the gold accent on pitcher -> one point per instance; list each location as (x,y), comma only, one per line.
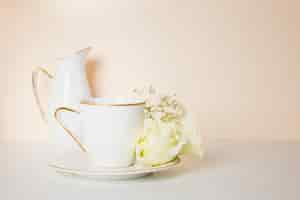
(67,130)
(35,87)
(45,71)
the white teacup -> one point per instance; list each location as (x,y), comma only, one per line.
(110,127)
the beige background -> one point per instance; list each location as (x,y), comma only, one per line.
(236,63)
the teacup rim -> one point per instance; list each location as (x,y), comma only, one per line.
(129,101)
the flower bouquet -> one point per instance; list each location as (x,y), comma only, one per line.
(168,130)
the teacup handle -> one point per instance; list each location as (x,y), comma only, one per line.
(35,86)
(57,111)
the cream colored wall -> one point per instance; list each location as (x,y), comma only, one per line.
(236,63)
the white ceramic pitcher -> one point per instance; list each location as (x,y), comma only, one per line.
(68,86)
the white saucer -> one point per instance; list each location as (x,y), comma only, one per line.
(78,164)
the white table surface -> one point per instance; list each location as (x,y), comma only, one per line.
(230,171)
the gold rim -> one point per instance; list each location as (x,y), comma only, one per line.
(129,170)
(108,104)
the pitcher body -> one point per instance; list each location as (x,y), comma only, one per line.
(68,86)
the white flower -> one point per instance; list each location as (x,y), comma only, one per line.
(159,143)
(168,130)
(157,115)
(154,100)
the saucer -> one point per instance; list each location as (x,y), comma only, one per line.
(78,164)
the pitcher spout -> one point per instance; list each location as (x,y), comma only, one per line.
(84,52)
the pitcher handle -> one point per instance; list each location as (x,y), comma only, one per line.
(35,86)
(67,130)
